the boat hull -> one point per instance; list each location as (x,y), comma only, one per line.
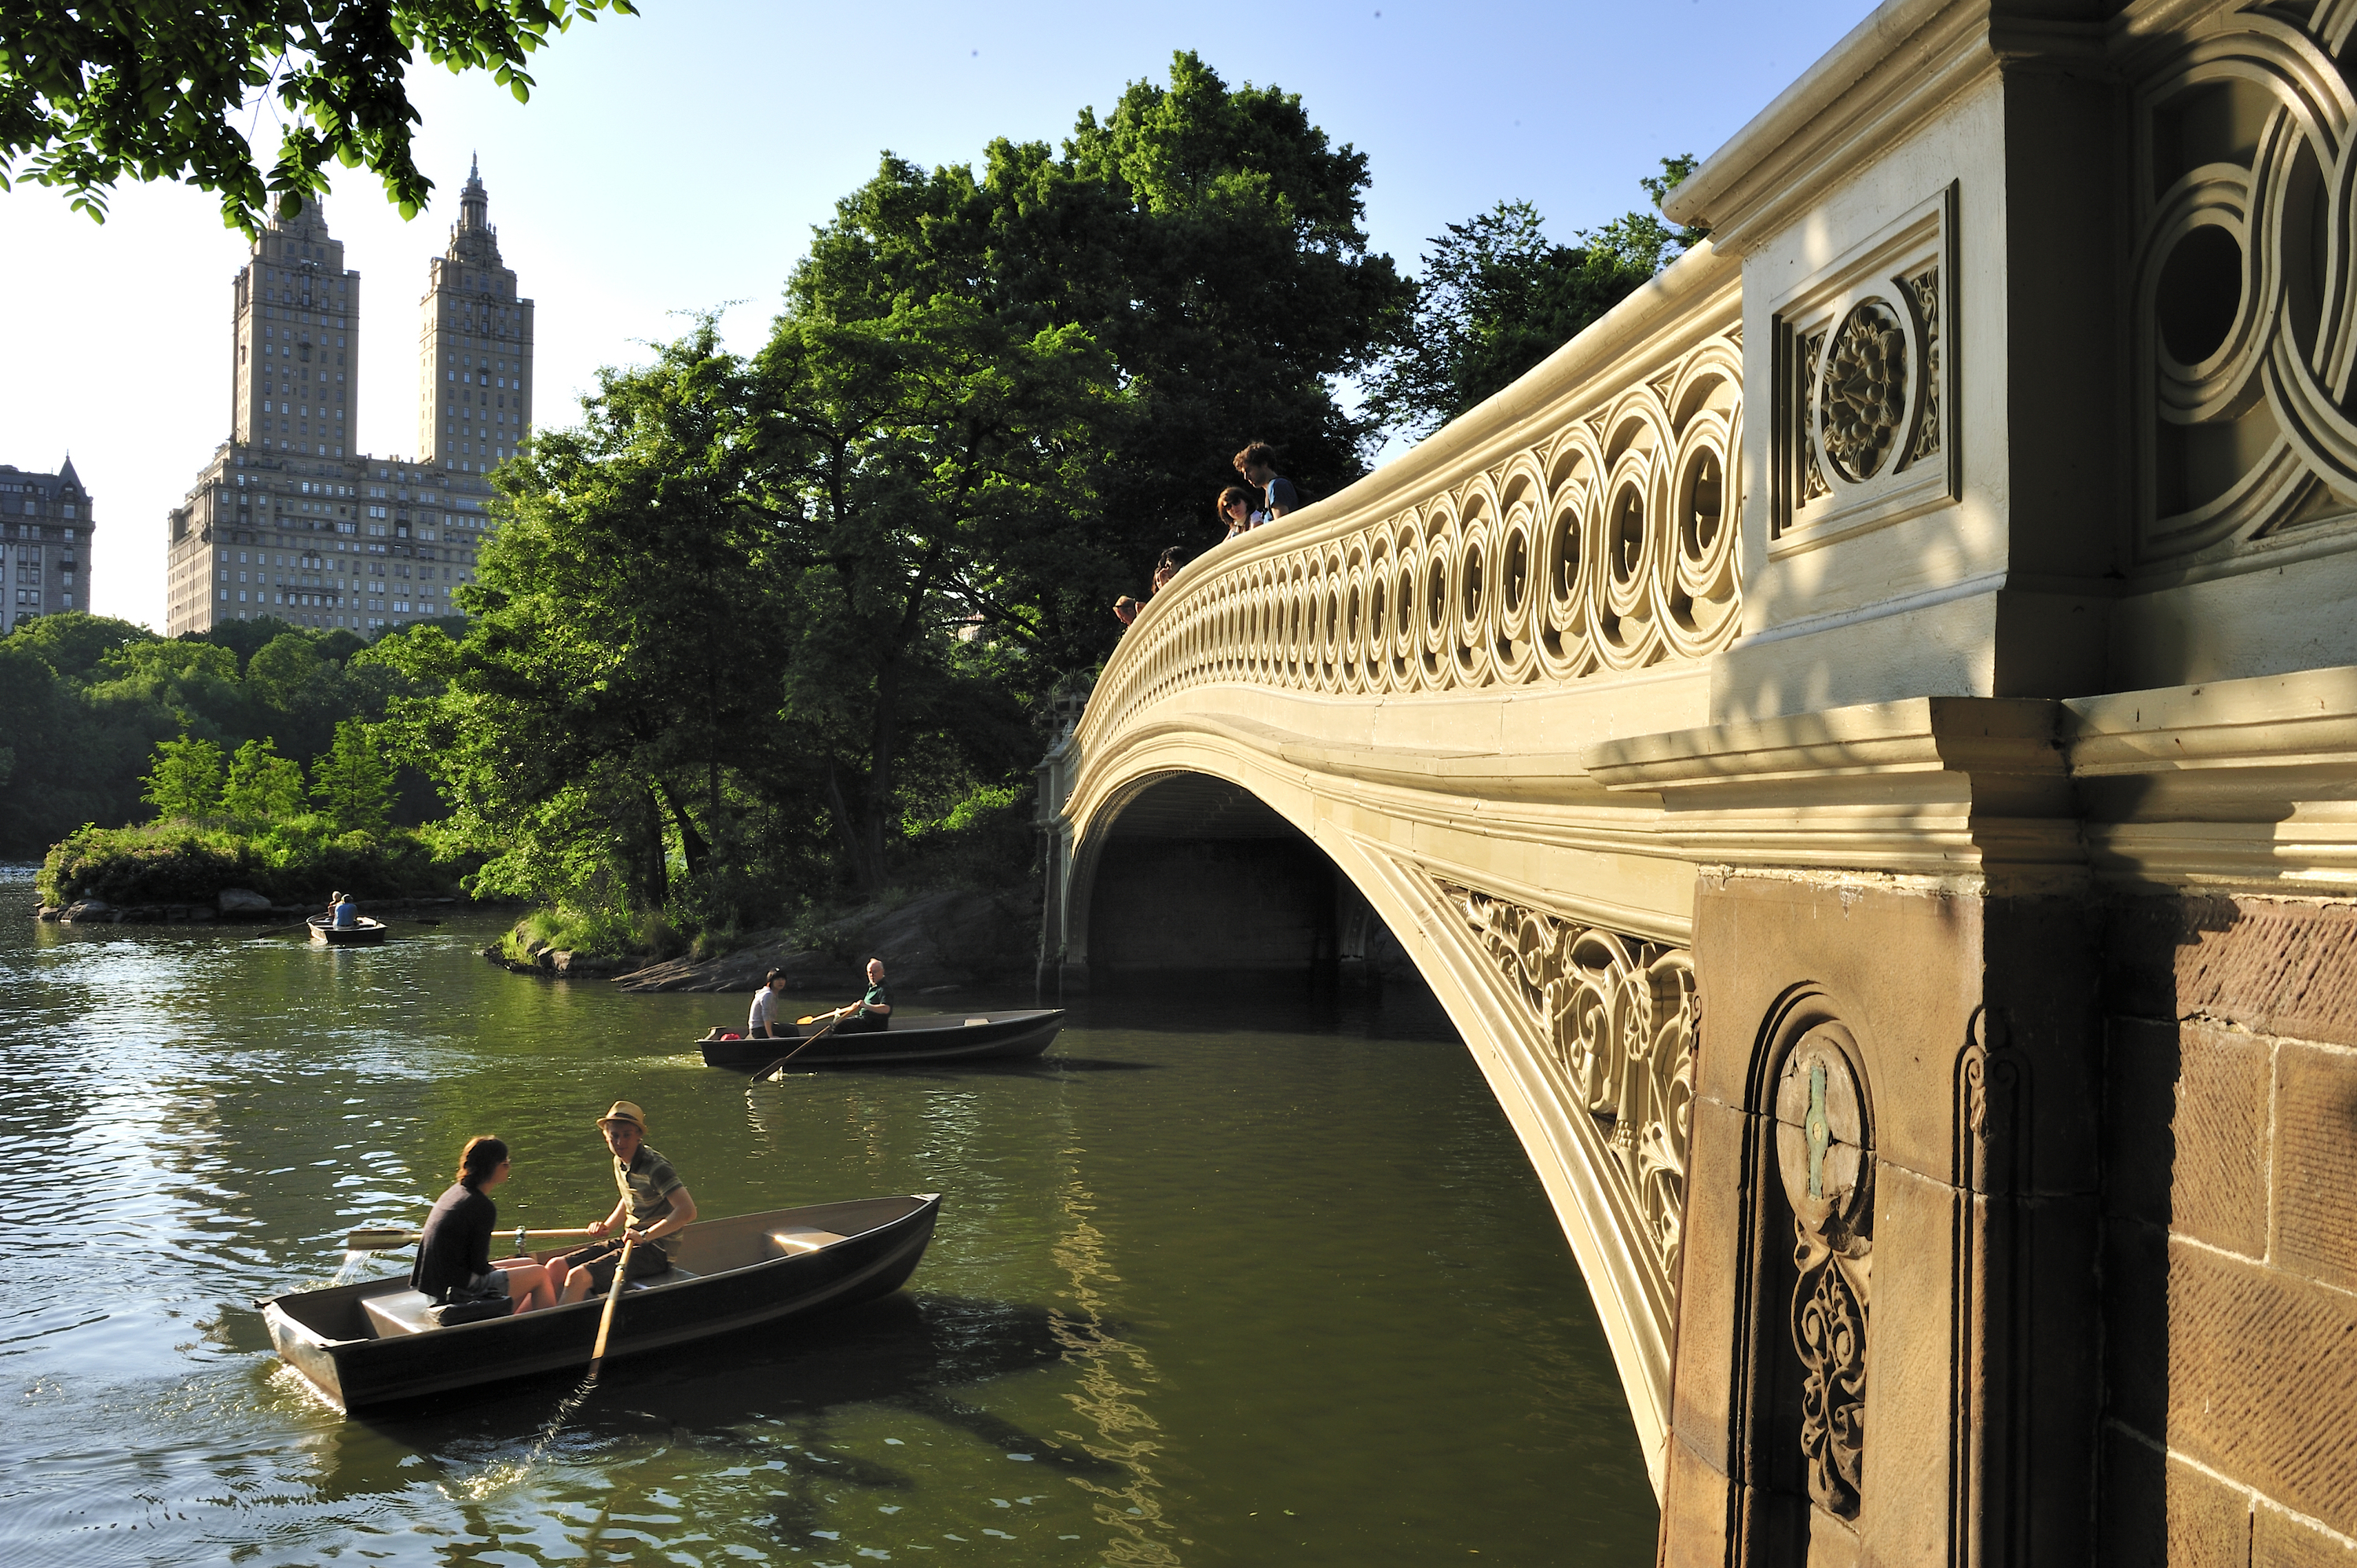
(326,1335)
(366,934)
(951,1037)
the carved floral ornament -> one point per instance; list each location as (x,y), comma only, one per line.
(1619,1018)
(1862,401)
(1608,544)
(2246,290)
(1825,1156)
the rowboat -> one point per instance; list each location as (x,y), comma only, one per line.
(374,1343)
(364,932)
(942,1037)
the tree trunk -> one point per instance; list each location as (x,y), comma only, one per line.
(866,867)
(658,858)
(691,843)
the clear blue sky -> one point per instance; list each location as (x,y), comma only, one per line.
(677,161)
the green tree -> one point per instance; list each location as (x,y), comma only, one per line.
(1209,239)
(630,642)
(263,787)
(74,644)
(146,89)
(932,457)
(352,782)
(186,781)
(1496,296)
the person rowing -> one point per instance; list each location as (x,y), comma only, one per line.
(871,1012)
(655,1207)
(453,1263)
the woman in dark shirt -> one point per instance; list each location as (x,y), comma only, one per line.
(454,1256)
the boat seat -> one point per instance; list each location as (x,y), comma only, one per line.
(794,1241)
(670,1276)
(402,1312)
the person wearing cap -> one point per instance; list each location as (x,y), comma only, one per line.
(654,1209)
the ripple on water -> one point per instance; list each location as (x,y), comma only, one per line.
(1113,1293)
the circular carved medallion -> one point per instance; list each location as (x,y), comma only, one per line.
(1863,396)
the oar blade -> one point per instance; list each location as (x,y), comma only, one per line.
(379,1240)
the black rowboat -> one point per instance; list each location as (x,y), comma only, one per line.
(943,1038)
(362,932)
(372,1343)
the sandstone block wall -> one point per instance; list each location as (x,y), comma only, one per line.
(2229,1263)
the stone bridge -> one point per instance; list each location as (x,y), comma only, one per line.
(1863,743)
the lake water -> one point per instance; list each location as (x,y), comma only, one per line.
(1231,1276)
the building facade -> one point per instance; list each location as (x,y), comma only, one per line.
(45,542)
(474,348)
(289,518)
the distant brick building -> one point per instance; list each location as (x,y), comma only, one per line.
(289,518)
(45,542)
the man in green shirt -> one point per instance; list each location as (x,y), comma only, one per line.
(871,1012)
(654,1209)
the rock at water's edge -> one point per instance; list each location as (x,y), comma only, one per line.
(954,939)
(241,901)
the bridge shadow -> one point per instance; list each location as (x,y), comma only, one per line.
(2166,1112)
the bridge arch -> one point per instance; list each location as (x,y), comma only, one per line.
(1584,1033)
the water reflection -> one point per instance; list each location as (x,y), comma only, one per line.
(1229,1278)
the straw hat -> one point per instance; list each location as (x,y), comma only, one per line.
(625,1111)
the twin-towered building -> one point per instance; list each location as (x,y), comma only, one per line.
(290,519)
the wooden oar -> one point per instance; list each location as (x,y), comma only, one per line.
(386,1240)
(613,1299)
(816,1036)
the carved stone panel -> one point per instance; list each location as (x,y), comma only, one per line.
(1825,1156)
(2244,313)
(1863,392)
(1621,1021)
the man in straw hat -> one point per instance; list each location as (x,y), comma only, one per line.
(654,1209)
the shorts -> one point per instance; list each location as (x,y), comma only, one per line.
(598,1258)
(490,1285)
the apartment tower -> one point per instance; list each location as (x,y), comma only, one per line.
(474,348)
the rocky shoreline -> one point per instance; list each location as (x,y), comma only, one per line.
(941,942)
(233,906)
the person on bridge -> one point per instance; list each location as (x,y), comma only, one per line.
(654,1209)
(765,1023)
(1125,609)
(1257,464)
(1236,511)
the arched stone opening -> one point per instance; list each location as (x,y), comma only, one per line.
(1196,874)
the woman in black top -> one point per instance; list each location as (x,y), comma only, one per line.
(454,1256)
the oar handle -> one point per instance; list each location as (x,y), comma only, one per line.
(613,1299)
(386,1240)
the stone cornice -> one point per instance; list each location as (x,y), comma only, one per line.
(1964,789)
(1892,72)
(2234,784)
(2248,784)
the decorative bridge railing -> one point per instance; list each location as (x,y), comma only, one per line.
(1581,524)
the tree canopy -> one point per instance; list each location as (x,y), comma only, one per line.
(94,94)
(1496,296)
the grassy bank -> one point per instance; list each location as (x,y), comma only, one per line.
(183,862)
